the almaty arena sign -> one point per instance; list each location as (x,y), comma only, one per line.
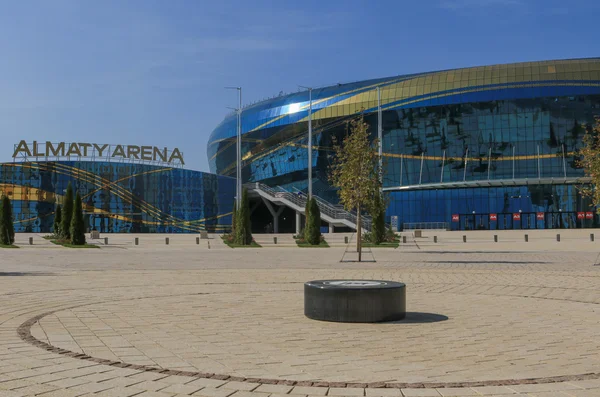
(94,150)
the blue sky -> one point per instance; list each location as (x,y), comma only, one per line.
(152,72)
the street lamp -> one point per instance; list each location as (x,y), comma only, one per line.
(309,140)
(238,150)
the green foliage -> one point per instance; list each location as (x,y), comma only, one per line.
(77,231)
(390,235)
(590,162)
(356,173)
(377,211)
(67,214)
(305,232)
(233,218)
(7,229)
(313,226)
(243,232)
(57,220)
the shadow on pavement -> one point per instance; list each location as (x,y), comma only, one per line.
(16,274)
(493,262)
(420,318)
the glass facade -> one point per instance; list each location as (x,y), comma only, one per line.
(119,197)
(452,141)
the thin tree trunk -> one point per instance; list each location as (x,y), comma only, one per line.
(358,233)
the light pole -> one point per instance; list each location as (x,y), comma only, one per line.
(238,150)
(380,136)
(309,140)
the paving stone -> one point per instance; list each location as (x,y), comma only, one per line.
(186,318)
(309,390)
(420,393)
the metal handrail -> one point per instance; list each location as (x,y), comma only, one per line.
(325,207)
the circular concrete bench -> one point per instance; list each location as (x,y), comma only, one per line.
(355,301)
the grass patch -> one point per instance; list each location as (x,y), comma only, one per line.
(231,244)
(8,246)
(302,243)
(66,243)
(385,244)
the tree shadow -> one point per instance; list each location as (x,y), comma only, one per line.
(420,318)
(17,274)
(493,262)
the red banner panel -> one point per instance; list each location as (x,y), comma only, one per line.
(539,216)
(589,215)
(517,216)
(455,218)
(493,217)
(581,215)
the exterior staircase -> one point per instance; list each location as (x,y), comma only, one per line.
(330,213)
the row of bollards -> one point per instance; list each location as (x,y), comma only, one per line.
(136,241)
(464,238)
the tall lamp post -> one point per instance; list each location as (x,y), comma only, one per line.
(238,150)
(309,140)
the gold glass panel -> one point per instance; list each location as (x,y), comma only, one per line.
(551,69)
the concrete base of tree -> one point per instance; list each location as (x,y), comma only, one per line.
(355,301)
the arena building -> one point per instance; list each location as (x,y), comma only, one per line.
(490,147)
(124,188)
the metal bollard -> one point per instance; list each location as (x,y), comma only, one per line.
(404,239)
(558,237)
(136,241)
(274,240)
(208,244)
(105,240)
(197,240)
(526,238)
(495,238)
(435,239)
(166,240)
(464,239)
(591,236)
(345,239)
(30,240)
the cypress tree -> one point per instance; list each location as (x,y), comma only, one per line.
(7,229)
(67,214)
(378,219)
(57,220)
(243,234)
(314,225)
(233,218)
(247,225)
(306,220)
(77,226)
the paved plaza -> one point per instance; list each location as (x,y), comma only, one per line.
(484,318)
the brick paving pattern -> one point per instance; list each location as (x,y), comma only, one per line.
(484,319)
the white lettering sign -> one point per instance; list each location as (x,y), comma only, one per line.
(81,149)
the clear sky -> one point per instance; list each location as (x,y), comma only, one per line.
(151,72)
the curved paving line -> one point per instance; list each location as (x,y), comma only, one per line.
(24,332)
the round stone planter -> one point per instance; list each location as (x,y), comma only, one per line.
(355,301)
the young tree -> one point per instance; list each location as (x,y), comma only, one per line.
(313,227)
(355,172)
(590,162)
(243,233)
(57,220)
(7,229)
(77,231)
(67,214)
